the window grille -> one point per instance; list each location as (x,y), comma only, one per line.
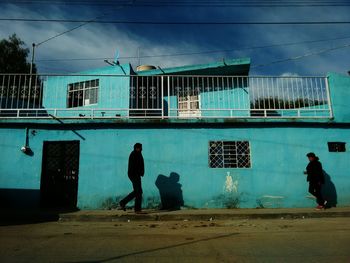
(229,154)
(336,147)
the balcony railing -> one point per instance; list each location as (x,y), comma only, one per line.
(163,97)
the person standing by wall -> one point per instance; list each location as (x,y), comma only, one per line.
(136,170)
(315,178)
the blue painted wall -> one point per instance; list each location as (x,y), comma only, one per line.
(274,180)
(113,91)
(339,86)
(230,98)
(277,152)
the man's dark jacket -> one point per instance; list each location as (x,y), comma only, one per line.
(315,172)
(136,167)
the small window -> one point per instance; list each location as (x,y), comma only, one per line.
(229,154)
(82,93)
(336,146)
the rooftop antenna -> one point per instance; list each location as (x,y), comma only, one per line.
(115,62)
(109,63)
(138,56)
(116,58)
(161,69)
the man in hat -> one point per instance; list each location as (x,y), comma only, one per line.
(315,178)
(135,171)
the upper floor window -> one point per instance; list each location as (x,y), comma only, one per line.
(82,93)
(229,154)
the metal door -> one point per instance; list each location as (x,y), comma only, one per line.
(60,170)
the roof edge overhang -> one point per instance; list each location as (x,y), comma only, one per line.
(228,67)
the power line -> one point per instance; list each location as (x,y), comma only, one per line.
(65,32)
(302,56)
(294,58)
(199,52)
(76,27)
(35,45)
(177,23)
(190,3)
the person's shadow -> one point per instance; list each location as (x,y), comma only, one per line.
(329,191)
(170,191)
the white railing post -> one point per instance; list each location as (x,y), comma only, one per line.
(162,95)
(168,97)
(329,101)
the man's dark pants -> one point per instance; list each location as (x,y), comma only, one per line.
(315,190)
(137,194)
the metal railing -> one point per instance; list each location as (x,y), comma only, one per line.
(180,97)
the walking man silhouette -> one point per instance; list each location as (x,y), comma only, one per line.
(136,170)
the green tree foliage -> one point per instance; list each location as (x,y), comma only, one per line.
(13,56)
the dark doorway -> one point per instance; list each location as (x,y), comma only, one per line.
(59,175)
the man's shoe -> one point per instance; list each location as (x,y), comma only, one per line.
(319,207)
(122,207)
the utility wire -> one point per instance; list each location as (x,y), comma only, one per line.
(177,23)
(65,32)
(72,29)
(190,3)
(302,56)
(199,52)
(34,45)
(299,57)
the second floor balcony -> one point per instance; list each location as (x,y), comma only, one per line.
(163,97)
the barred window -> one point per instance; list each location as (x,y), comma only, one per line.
(229,154)
(82,93)
(336,146)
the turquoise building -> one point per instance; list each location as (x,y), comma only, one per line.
(231,140)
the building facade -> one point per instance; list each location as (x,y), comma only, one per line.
(212,136)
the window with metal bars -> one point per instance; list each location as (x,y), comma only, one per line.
(336,146)
(82,93)
(229,154)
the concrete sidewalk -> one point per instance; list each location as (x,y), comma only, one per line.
(204,214)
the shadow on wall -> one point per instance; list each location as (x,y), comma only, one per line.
(329,191)
(170,191)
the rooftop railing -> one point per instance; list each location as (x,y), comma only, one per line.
(163,97)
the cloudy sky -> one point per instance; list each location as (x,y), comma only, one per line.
(96,40)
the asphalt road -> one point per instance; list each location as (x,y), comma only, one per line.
(278,240)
